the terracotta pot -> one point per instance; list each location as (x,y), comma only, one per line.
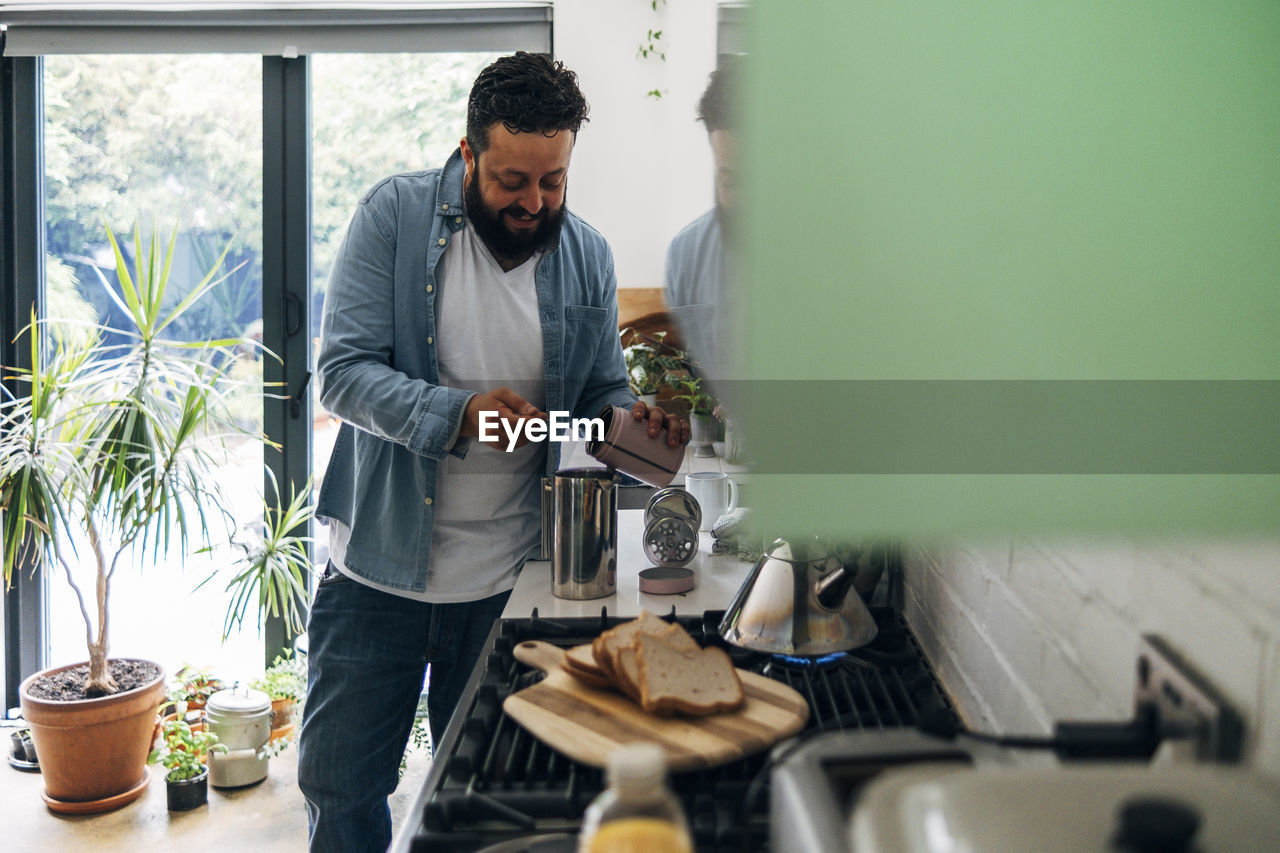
(282,718)
(92,749)
(282,712)
(197,726)
(285,731)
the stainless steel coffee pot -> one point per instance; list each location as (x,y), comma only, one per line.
(799,599)
(584,541)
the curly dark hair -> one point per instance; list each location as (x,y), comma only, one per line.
(717,106)
(527,92)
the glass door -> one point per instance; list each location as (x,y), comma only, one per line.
(161,141)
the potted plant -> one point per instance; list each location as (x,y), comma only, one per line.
(702,424)
(648,359)
(183,753)
(285,681)
(271,574)
(112,455)
(22,752)
(193,686)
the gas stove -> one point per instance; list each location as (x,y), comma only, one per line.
(491,783)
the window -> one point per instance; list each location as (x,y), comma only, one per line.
(161,141)
(214,132)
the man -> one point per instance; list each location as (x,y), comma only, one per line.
(700,260)
(459,293)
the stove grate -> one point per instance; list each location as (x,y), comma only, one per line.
(495,782)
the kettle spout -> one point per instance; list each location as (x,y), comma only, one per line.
(833,588)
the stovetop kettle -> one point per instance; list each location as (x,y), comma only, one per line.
(799,599)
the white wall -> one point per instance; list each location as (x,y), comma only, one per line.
(642,167)
(1026,632)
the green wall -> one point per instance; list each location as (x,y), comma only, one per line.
(995,190)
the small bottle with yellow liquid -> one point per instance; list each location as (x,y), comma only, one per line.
(636,813)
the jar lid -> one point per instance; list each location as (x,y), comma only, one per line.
(673,502)
(637,765)
(661,580)
(238,700)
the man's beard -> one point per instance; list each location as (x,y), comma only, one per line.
(504,243)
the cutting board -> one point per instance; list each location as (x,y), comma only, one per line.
(587,723)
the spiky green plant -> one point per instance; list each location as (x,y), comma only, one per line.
(118,443)
(271,574)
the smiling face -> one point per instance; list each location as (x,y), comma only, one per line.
(515,190)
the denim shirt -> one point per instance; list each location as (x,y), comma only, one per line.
(377,368)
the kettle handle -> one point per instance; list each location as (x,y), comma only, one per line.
(831,588)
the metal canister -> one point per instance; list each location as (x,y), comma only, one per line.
(241,718)
(584,556)
(627,447)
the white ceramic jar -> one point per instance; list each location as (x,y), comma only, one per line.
(241,718)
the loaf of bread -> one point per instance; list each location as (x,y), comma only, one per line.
(605,647)
(697,681)
(626,668)
(660,666)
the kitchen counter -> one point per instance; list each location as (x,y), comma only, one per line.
(716,579)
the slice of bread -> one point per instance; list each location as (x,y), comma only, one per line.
(579,663)
(627,677)
(626,669)
(604,648)
(698,681)
(582,659)
(589,679)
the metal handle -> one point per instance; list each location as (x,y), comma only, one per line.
(292,325)
(231,755)
(548,519)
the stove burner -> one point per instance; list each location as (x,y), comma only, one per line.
(821,660)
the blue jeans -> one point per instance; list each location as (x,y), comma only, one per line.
(368,652)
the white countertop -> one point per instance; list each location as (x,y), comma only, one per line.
(716,579)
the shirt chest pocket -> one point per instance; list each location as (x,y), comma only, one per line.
(583,330)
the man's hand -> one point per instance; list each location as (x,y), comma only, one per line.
(677,429)
(509,405)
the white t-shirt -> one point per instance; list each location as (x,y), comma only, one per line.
(487,507)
